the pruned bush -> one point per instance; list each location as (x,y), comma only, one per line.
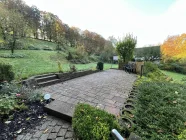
(6,72)
(100,66)
(90,123)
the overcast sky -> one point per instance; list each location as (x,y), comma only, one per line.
(150,20)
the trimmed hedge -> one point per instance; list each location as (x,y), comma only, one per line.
(6,72)
(100,66)
(90,123)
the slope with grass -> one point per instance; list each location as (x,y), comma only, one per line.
(36,43)
(36,62)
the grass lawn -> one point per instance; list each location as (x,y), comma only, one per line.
(176,76)
(40,44)
(39,62)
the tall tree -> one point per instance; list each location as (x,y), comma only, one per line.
(16,26)
(174,47)
(34,20)
(125,47)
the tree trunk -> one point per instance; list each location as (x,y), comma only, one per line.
(13,46)
(3,33)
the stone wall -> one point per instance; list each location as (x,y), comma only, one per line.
(32,81)
(72,75)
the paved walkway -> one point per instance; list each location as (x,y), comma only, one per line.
(107,90)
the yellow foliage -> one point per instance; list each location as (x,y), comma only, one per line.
(174,47)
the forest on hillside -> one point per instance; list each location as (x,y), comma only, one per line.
(19,21)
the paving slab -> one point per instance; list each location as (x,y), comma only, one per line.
(107,90)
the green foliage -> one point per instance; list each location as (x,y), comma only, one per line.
(125,47)
(12,55)
(160,110)
(9,88)
(182,136)
(30,95)
(6,72)
(147,52)
(90,123)
(152,71)
(93,58)
(183,79)
(150,67)
(73,68)
(7,104)
(174,66)
(60,67)
(100,66)
(43,62)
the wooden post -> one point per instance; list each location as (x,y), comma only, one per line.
(141,74)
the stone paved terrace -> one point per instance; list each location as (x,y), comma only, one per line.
(107,90)
(51,128)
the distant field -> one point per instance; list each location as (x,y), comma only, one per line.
(176,76)
(39,62)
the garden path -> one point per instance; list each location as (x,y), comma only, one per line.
(107,90)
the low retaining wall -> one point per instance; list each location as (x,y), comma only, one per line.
(70,75)
(32,81)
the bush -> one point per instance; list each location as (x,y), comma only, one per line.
(93,58)
(160,110)
(31,47)
(73,68)
(173,66)
(12,55)
(99,66)
(6,72)
(9,88)
(69,57)
(47,48)
(150,67)
(90,123)
(182,136)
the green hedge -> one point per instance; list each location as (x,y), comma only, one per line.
(6,72)
(90,123)
(100,65)
(174,67)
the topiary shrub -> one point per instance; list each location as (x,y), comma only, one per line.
(90,123)
(99,66)
(6,73)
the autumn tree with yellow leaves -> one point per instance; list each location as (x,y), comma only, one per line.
(174,47)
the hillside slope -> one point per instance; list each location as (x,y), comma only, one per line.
(37,62)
